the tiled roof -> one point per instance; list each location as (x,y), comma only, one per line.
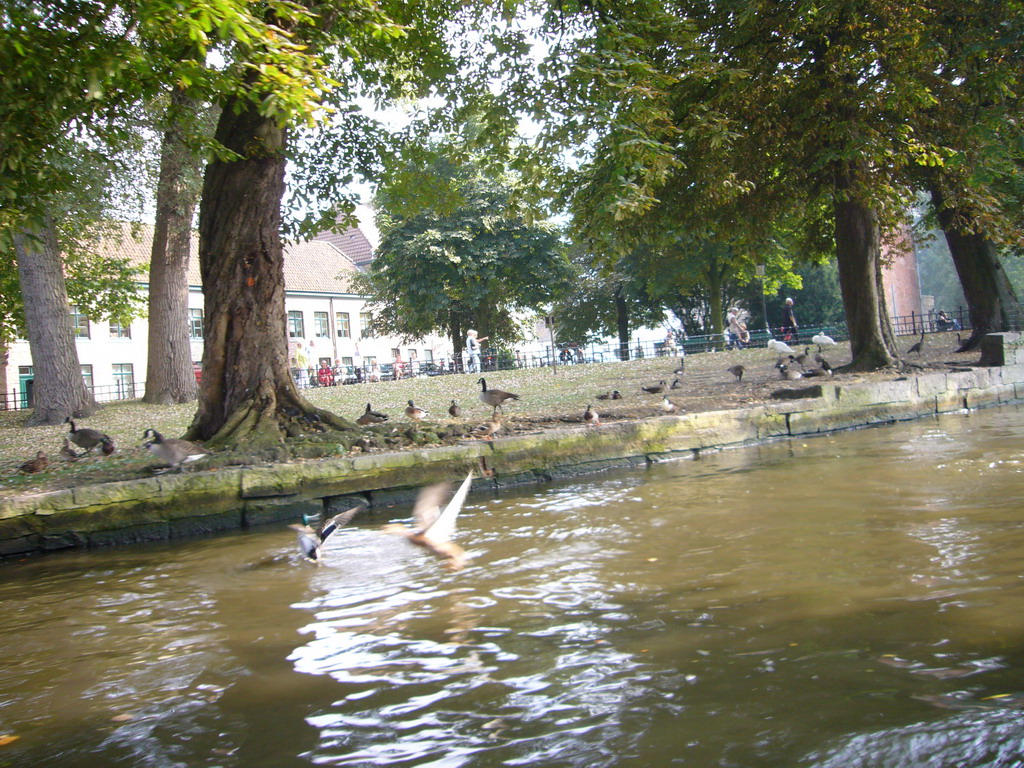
(311,266)
(352,242)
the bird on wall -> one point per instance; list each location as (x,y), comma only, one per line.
(371,416)
(591,417)
(414,412)
(737,371)
(84,437)
(494,397)
(312,540)
(454,410)
(433,528)
(38,464)
(175,453)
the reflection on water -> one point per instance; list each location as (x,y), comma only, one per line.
(845,600)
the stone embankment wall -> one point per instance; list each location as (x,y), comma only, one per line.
(189,504)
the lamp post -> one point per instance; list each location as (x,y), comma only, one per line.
(764,307)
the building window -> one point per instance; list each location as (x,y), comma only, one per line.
(118,331)
(195,323)
(364,325)
(296,325)
(321,325)
(87,376)
(124,381)
(79,324)
(344,325)
(428,355)
(396,353)
(346,361)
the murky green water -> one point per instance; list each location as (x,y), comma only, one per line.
(848,600)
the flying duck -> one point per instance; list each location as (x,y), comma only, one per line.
(494,397)
(173,451)
(433,527)
(311,541)
(371,416)
(84,437)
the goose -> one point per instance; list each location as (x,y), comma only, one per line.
(682,366)
(68,453)
(38,464)
(737,371)
(454,411)
(676,384)
(655,389)
(312,540)
(918,346)
(84,437)
(667,406)
(591,417)
(825,365)
(781,347)
(371,416)
(414,412)
(494,397)
(823,340)
(172,451)
(433,527)
(802,358)
(789,375)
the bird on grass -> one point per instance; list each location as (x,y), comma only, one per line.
(918,346)
(108,445)
(802,358)
(84,437)
(668,407)
(613,395)
(676,384)
(489,429)
(371,416)
(655,389)
(312,540)
(682,366)
(494,397)
(781,347)
(38,464)
(175,453)
(454,410)
(68,453)
(823,340)
(737,371)
(825,365)
(433,527)
(789,375)
(414,412)
(591,417)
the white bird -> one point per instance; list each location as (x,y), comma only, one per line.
(781,347)
(667,406)
(434,528)
(822,340)
(311,541)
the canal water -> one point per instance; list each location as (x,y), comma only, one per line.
(845,600)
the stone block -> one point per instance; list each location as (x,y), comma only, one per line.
(290,510)
(998,349)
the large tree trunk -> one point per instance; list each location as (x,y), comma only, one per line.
(169,376)
(992,304)
(246,378)
(622,322)
(59,390)
(715,280)
(858,249)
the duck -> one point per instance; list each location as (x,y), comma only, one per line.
(68,453)
(494,397)
(918,346)
(655,389)
(414,412)
(312,540)
(454,410)
(613,395)
(676,384)
(371,416)
(38,464)
(489,429)
(108,445)
(781,347)
(84,437)
(737,371)
(667,406)
(591,417)
(823,340)
(173,451)
(434,527)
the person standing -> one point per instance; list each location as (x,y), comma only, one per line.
(734,330)
(473,350)
(302,363)
(789,326)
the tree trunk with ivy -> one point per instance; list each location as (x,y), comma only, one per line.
(992,304)
(248,398)
(858,250)
(169,376)
(59,390)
